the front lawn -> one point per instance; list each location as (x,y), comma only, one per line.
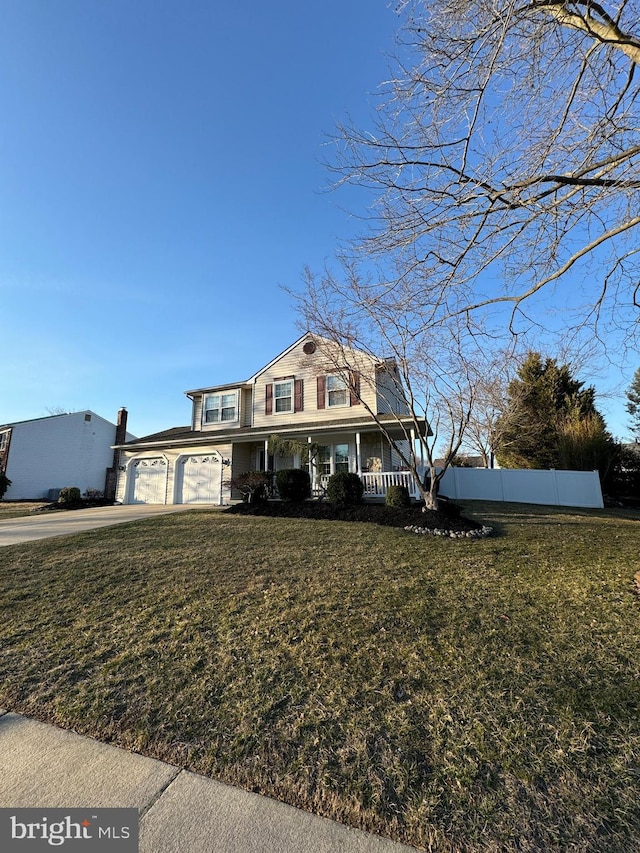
(458,695)
(15,509)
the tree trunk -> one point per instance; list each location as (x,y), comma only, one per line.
(430,503)
(429,491)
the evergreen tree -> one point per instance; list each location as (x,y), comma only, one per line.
(551,421)
(633,406)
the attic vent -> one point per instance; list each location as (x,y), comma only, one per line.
(87,418)
(309,348)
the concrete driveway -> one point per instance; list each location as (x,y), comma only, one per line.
(43,525)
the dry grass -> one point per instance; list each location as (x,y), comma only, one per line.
(15,509)
(455,695)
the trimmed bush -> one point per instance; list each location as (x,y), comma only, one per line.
(345,489)
(252,485)
(293,484)
(397,496)
(69,495)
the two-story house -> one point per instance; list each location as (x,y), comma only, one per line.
(306,394)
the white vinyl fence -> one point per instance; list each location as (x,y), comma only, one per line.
(559,488)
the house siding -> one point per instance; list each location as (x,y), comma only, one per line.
(197,412)
(241,463)
(297,365)
(246,410)
(388,400)
(387,458)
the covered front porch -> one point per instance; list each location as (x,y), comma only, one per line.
(376,484)
(365,452)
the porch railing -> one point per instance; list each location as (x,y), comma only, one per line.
(376,484)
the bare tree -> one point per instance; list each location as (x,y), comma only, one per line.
(431,377)
(491,399)
(505,161)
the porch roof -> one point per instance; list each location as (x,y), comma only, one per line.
(183,436)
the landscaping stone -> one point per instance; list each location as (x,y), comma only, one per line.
(477,533)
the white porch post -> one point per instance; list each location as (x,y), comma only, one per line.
(358,459)
(310,462)
(266,454)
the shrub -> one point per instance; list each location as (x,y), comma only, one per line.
(294,484)
(93,494)
(5,482)
(397,496)
(69,495)
(251,484)
(345,488)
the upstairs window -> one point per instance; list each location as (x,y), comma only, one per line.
(220,408)
(337,391)
(283,394)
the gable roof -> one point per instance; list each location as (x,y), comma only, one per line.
(251,379)
(306,335)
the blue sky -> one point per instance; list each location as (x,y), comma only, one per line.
(161,179)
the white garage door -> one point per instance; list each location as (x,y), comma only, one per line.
(149,481)
(199,479)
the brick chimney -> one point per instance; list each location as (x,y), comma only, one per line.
(121,431)
(111,479)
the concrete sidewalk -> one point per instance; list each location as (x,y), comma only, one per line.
(43,525)
(42,766)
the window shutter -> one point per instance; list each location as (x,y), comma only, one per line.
(268,400)
(298,396)
(321,391)
(354,388)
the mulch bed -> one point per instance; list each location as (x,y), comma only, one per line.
(446,518)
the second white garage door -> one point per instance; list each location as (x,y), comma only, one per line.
(198,479)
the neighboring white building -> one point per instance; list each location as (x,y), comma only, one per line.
(44,455)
